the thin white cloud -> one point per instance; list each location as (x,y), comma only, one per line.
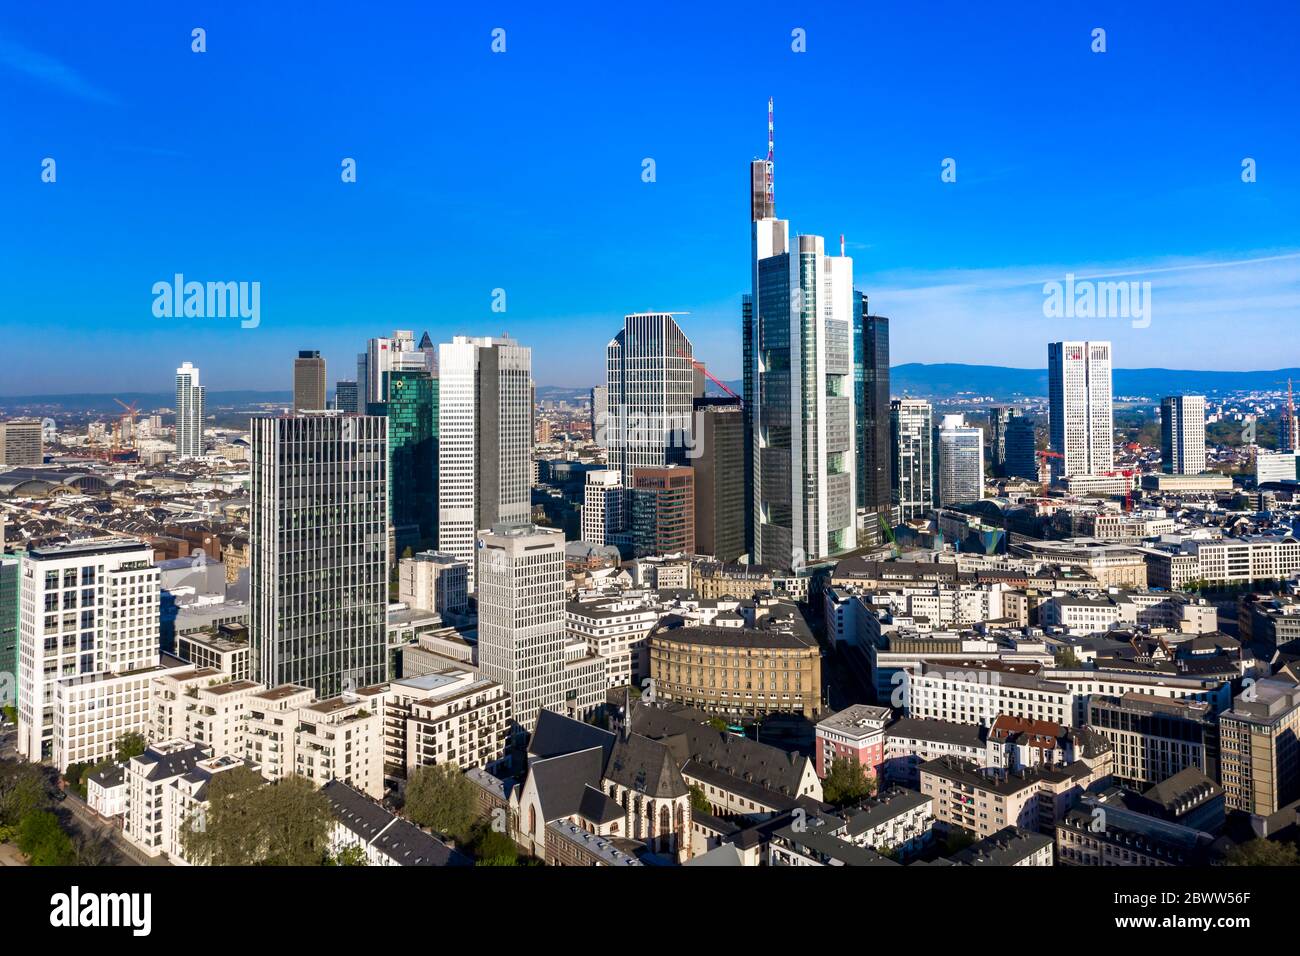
(52,72)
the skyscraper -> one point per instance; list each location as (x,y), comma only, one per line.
(1082,427)
(10,570)
(602,506)
(521,614)
(1000,417)
(1182,434)
(718,458)
(1021,449)
(961,462)
(411,406)
(599,413)
(871,416)
(485,440)
(21,442)
(912,427)
(308,381)
(345,396)
(189,412)
(398,352)
(662,510)
(651,384)
(319,550)
(799,349)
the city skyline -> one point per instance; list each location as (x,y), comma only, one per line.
(338,262)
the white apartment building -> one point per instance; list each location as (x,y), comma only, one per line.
(602,506)
(147,776)
(1182,434)
(185,801)
(485,441)
(960,478)
(435,582)
(616,629)
(204,706)
(88,611)
(189,412)
(452,716)
(521,616)
(1081,421)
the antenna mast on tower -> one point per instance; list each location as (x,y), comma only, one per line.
(771,158)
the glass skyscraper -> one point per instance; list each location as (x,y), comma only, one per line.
(412,412)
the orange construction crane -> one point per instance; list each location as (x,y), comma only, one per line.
(1044,478)
(125,430)
(699,366)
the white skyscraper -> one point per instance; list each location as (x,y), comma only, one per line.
(521,616)
(799,388)
(961,461)
(189,413)
(602,506)
(651,381)
(398,352)
(87,610)
(1182,434)
(912,428)
(1082,426)
(485,440)
(319,550)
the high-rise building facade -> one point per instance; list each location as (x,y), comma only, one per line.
(602,506)
(717,457)
(1000,417)
(871,416)
(395,353)
(345,396)
(87,608)
(1082,426)
(961,462)
(21,442)
(1182,434)
(485,440)
(308,381)
(189,412)
(912,434)
(1021,449)
(599,413)
(651,385)
(319,551)
(411,406)
(662,507)
(10,570)
(798,343)
(521,615)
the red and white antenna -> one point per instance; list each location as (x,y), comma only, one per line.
(771,158)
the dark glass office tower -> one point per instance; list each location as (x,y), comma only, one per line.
(1021,461)
(749,399)
(718,457)
(412,411)
(872,415)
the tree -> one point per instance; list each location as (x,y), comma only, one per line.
(848,782)
(718,724)
(129,745)
(958,839)
(1066,658)
(1259,852)
(441,798)
(43,841)
(251,823)
(496,849)
(22,791)
(699,800)
(354,854)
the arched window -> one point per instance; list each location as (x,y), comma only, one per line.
(532,820)
(665,823)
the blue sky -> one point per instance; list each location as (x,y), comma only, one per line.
(522,171)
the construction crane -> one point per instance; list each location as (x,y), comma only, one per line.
(699,367)
(125,427)
(1044,478)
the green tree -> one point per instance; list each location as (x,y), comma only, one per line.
(129,745)
(22,791)
(43,841)
(1066,658)
(718,724)
(354,854)
(699,800)
(10,712)
(494,848)
(251,823)
(441,798)
(958,839)
(1263,853)
(848,782)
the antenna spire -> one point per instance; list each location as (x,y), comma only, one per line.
(771,158)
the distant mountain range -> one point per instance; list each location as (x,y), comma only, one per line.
(925,381)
